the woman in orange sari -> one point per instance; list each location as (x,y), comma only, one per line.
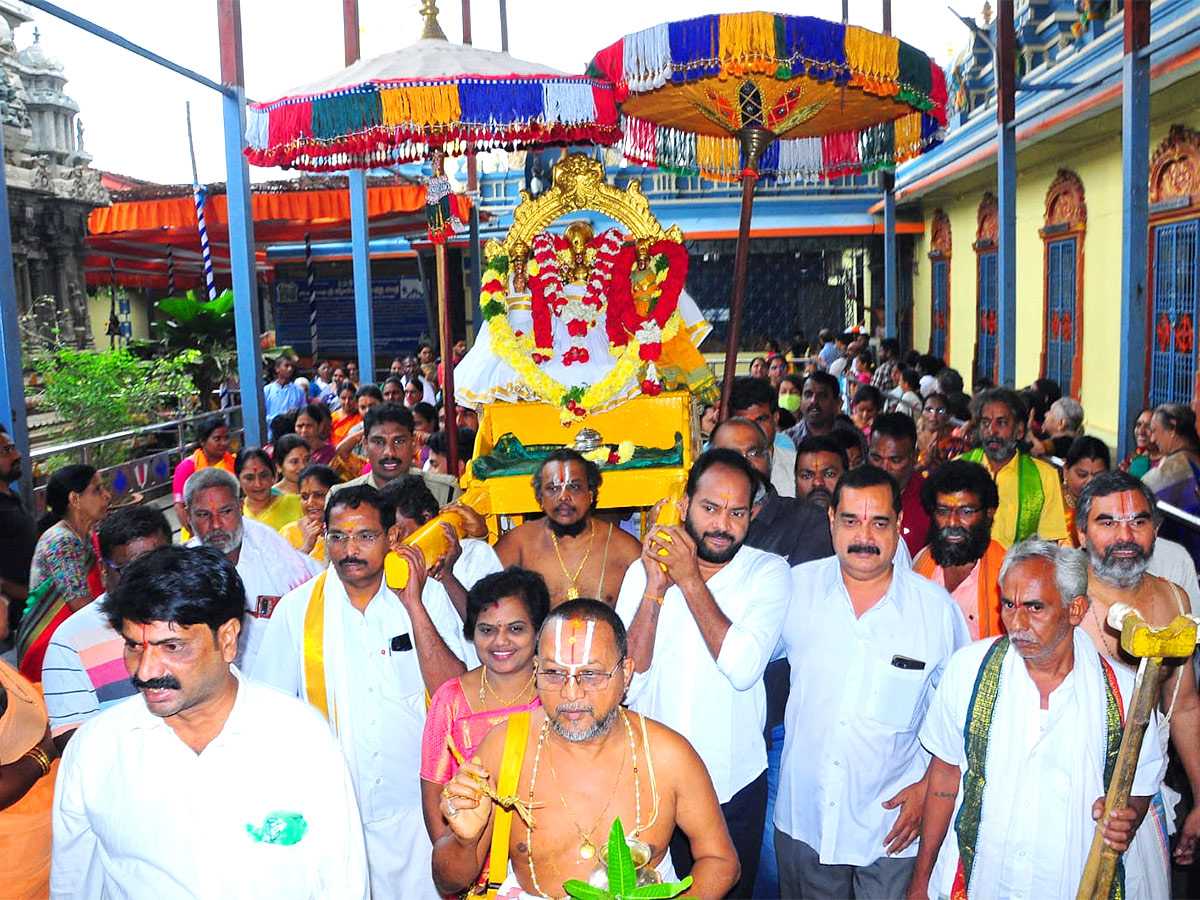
(504,612)
(28,765)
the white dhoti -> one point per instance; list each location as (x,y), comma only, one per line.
(399,857)
(511,888)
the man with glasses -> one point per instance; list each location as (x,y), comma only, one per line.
(83,671)
(705,612)
(365,654)
(578,553)
(16,550)
(961,499)
(1116,521)
(582,761)
(388,430)
(756,400)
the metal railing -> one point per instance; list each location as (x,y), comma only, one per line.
(148,474)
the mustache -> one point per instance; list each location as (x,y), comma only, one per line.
(863,548)
(1123,546)
(350,561)
(159,683)
(575,706)
(955,531)
(387,460)
(725,535)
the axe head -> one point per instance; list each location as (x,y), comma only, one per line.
(1174,641)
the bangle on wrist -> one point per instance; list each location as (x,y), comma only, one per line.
(38,755)
(658,600)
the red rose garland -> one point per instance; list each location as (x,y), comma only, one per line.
(623,318)
(548,298)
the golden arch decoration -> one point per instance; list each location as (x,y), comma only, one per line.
(1175,166)
(940,237)
(579,185)
(987,230)
(1064,200)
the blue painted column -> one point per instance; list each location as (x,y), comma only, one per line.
(891,308)
(1135,178)
(1006,174)
(12,385)
(364,316)
(247,320)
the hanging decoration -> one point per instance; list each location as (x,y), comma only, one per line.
(840,99)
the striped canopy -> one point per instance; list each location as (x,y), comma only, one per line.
(431,95)
(840,99)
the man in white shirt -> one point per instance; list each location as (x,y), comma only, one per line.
(1024,731)
(365,655)
(208,785)
(704,613)
(268,565)
(867,641)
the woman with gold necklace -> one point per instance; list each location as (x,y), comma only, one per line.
(504,612)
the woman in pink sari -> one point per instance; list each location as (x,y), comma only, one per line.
(504,612)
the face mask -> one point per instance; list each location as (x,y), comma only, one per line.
(790,402)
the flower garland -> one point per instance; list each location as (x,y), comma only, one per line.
(549,298)
(624,322)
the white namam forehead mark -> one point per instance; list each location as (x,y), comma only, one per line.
(1131,506)
(560,474)
(575,650)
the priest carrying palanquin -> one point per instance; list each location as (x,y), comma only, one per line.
(1024,731)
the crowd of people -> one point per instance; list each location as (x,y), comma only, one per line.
(872,659)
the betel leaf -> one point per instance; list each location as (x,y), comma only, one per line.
(660,891)
(622,876)
(581,890)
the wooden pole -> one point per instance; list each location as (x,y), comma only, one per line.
(443,288)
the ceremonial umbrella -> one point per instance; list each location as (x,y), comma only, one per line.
(737,96)
(429,98)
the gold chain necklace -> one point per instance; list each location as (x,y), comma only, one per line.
(484,686)
(572,589)
(586,848)
(637,797)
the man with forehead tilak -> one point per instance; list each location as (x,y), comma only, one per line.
(577,553)
(1116,519)
(579,762)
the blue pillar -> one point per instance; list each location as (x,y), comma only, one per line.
(247,320)
(364,316)
(12,386)
(890,305)
(1135,176)
(1006,173)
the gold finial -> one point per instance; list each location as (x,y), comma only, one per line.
(432,30)
(987,13)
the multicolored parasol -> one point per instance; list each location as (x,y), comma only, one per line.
(432,96)
(737,96)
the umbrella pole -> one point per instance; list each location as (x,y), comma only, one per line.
(754,141)
(447,340)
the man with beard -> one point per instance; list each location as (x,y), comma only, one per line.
(1024,731)
(798,531)
(960,498)
(1116,518)
(16,550)
(388,437)
(894,449)
(365,655)
(821,401)
(1030,490)
(268,565)
(581,761)
(577,553)
(209,784)
(867,641)
(704,612)
(820,462)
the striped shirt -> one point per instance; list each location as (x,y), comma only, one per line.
(84,670)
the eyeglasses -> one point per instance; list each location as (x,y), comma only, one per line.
(366,538)
(9,450)
(756,453)
(589,681)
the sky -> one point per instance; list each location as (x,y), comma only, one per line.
(133,111)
